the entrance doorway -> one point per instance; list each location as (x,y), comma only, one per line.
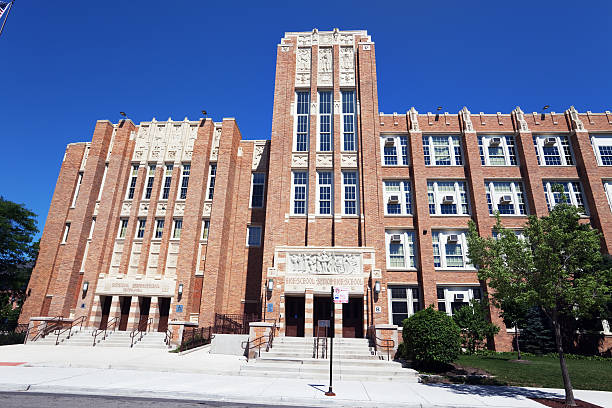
(164,311)
(145,307)
(294,316)
(106,305)
(322,308)
(352,318)
(124,305)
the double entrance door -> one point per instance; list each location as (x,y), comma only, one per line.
(144,305)
(352,316)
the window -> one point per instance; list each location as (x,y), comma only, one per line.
(303,113)
(123,225)
(395,150)
(449,248)
(497,150)
(167,181)
(348,121)
(325,121)
(133,179)
(451,299)
(159,228)
(572,191)
(602,145)
(103,181)
(254,235)
(212,175)
(349,187)
(404,303)
(141,228)
(608,189)
(397,197)
(442,150)
(257,189)
(205,229)
(77,188)
(66,232)
(91,229)
(184,181)
(178,227)
(447,198)
(506,197)
(150,181)
(325,192)
(553,150)
(300,192)
(400,249)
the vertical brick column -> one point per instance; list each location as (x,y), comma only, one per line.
(95,316)
(308,314)
(337,319)
(154,312)
(134,316)
(115,310)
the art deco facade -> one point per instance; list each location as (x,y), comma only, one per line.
(179,220)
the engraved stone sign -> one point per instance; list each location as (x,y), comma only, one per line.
(324,263)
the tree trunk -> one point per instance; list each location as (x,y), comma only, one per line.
(567,384)
(516,338)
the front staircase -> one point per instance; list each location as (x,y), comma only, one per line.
(353,359)
(84,338)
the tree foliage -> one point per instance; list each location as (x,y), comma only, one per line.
(475,327)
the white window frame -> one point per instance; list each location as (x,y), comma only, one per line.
(405,197)
(441,244)
(455,160)
(484,142)
(103,181)
(167,182)
(346,116)
(517,191)
(438,197)
(344,193)
(397,145)
(608,189)
(91,228)
(159,228)
(451,291)
(569,184)
(150,182)
(184,181)
(77,189)
(320,188)
(123,227)
(410,300)
(540,139)
(294,186)
(66,232)
(601,140)
(140,227)
(296,121)
(330,115)
(132,183)
(175,223)
(263,192)
(205,221)
(407,241)
(250,229)
(211,182)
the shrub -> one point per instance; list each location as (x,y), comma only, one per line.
(474,325)
(432,338)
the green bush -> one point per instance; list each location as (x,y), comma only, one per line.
(432,338)
(11,338)
(475,327)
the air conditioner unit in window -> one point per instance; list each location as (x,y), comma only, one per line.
(452,238)
(459,297)
(505,199)
(396,238)
(550,141)
(495,141)
(389,141)
(448,199)
(393,199)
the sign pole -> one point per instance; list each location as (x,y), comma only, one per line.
(330,392)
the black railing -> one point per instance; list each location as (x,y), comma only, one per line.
(233,323)
(41,328)
(194,337)
(73,324)
(140,331)
(320,343)
(111,325)
(259,342)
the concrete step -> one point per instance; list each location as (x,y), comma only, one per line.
(325,376)
(302,355)
(325,362)
(292,368)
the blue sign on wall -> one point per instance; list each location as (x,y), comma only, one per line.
(179,308)
(270,308)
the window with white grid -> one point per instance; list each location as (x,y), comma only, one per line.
(602,145)
(77,189)
(506,197)
(395,150)
(212,175)
(349,143)
(123,225)
(572,191)
(177,228)
(159,228)
(400,249)
(450,250)
(447,197)
(258,182)
(553,150)
(397,197)
(451,299)
(184,181)
(497,150)
(349,196)
(254,235)
(103,181)
(167,181)
(300,192)
(404,303)
(66,232)
(302,116)
(442,150)
(133,180)
(205,229)
(608,189)
(150,181)
(141,228)
(325,192)
(326,121)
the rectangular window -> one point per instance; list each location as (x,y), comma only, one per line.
(141,228)
(184,181)
(325,121)
(103,181)
(257,189)
(205,229)
(66,232)
(572,190)
(506,197)
(159,228)
(553,150)
(447,198)
(133,180)
(123,225)
(302,125)
(349,188)
(300,192)
(608,189)
(404,303)
(348,121)
(150,182)
(212,175)
(253,235)
(497,150)
(177,228)
(91,229)
(451,299)
(400,249)
(76,190)
(449,248)
(397,197)
(602,145)
(442,150)
(167,181)
(325,192)
(395,150)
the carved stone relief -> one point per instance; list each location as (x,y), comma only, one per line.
(260,156)
(347,59)
(467,120)
(326,60)
(577,124)
(520,119)
(323,263)
(179,208)
(299,160)
(348,160)
(347,78)
(207,209)
(325,160)
(143,209)
(161,209)
(302,79)
(303,41)
(414,120)
(126,207)
(303,60)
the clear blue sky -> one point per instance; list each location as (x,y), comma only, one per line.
(66,64)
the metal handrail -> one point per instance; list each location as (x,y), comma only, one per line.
(112,322)
(168,337)
(249,345)
(392,346)
(320,342)
(48,328)
(271,336)
(139,332)
(78,321)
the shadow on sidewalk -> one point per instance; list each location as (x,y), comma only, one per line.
(495,391)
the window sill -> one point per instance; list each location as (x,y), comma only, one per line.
(500,165)
(458,269)
(298,216)
(449,215)
(350,216)
(324,216)
(444,165)
(392,269)
(557,165)
(510,215)
(394,166)
(398,215)
(253,246)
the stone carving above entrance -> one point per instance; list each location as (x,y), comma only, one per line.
(323,263)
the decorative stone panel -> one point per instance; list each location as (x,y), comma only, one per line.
(325,160)
(161,209)
(143,209)
(348,160)
(179,208)
(126,207)
(299,160)
(260,155)
(325,67)
(302,67)
(207,209)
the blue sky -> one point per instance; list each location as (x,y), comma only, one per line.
(64,65)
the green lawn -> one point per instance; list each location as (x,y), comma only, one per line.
(543,371)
